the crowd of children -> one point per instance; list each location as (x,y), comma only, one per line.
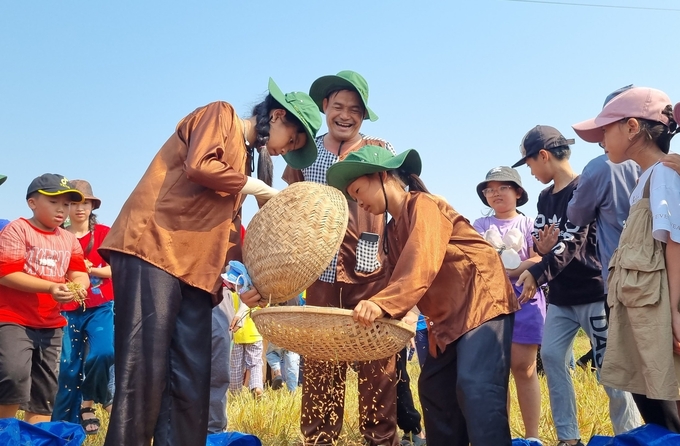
(606,243)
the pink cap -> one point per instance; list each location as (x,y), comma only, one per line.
(638,102)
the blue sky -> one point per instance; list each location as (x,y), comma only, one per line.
(92,90)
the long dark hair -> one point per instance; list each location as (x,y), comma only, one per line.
(410,180)
(405,179)
(92,221)
(659,133)
(265,166)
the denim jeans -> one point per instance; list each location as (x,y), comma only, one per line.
(561,326)
(86,360)
(291,364)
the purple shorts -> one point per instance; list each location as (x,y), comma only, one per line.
(529,320)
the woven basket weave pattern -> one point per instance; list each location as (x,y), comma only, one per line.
(293,239)
(330,334)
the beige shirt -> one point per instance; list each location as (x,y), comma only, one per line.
(184,215)
(439,262)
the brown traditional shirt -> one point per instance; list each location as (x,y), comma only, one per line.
(184,215)
(439,262)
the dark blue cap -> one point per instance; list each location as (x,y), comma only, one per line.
(538,138)
(616,93)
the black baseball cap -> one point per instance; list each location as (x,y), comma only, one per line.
(52,184)
(538,138)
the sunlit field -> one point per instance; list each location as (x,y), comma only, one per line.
(275,416)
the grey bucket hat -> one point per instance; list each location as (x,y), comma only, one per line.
(504,174)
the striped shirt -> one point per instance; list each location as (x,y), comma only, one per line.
(47,255)
(317,174)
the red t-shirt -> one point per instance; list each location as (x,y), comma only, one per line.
(101,290)
(48,255)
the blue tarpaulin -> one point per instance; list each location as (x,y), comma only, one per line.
(15,432)
(232,439)
(647,435)
(523,442)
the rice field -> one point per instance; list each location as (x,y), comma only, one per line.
(275,416)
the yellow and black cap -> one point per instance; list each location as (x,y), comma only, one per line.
(52,184)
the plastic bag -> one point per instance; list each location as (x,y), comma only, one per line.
(507,246)
(237,275)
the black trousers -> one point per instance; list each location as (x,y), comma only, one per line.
(408,418)
(162,357)
(663,413)
(464,390)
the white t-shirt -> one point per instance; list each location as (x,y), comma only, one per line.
(664,201)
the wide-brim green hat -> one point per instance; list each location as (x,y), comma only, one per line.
(344,80)
(368,160)
(3,178)
(304,109)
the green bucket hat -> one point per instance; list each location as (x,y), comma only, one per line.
(303,108)
(3,178)
(344,80)
(368,160)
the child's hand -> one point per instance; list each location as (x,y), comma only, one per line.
(672,160)
(236,324)
(366,312)
(530,286)
(676,332)
(61,293)
(252,299)
(411,318)
(547,238)
(81,293)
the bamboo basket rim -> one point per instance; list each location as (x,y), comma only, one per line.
(335,336)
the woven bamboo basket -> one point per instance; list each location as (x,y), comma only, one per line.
(330,334)
(293,238)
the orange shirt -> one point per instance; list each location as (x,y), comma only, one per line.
(184,215)
(47,255)
(439,262)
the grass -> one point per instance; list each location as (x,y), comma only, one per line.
(275,417)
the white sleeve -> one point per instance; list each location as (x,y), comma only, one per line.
(664,197)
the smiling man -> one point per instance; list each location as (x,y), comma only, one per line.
(355,274)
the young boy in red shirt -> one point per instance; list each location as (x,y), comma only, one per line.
(37,257)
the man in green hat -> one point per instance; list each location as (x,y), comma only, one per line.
(355,274)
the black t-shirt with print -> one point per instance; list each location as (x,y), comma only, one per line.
(572,269)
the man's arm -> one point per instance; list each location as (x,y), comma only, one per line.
(593,189)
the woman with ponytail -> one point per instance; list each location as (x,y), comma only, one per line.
(439,262)
(643,348)
(168,247)
(84,373)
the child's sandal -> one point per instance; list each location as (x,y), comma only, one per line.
(89,422)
